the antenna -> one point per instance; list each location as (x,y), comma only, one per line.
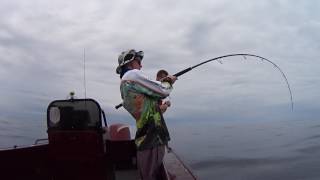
(84,73)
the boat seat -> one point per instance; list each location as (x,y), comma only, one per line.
(77,149)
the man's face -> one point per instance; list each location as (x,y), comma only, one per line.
(136,64)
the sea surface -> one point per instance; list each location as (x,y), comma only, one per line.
(254,150)
(263,150)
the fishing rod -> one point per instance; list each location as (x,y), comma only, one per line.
(230,55)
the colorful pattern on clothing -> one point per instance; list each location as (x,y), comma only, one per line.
(140,98)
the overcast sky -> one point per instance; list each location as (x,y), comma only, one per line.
(42,50)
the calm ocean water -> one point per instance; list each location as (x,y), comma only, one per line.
(277,150)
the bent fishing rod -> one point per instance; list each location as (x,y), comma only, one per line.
(230,55)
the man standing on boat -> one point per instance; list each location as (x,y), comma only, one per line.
(140,98)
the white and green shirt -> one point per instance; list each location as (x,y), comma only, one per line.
(140,98)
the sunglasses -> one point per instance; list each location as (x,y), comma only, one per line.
(140,54)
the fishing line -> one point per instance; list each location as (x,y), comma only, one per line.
(231,55)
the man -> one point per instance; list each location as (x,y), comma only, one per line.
(140,98)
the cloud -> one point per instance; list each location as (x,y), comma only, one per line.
(42,47)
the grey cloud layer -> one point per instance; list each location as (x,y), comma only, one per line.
(41,46)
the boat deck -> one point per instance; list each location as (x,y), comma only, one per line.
(127,175)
